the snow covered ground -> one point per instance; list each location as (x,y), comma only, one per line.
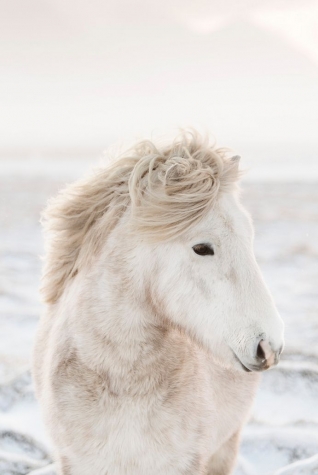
(284,426)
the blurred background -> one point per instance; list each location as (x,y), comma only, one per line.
(78,77)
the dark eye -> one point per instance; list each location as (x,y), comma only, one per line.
(203,249)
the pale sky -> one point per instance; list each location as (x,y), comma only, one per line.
(77,76)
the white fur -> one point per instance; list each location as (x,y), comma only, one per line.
(135,364)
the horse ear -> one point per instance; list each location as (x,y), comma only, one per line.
(235,162)
(236,158)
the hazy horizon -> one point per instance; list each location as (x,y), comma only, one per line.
(79,77)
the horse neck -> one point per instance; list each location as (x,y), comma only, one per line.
(121,338)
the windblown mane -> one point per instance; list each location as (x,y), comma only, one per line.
(168,188)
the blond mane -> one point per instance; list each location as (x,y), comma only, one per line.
(168,188)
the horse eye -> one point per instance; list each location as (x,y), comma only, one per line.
(203,249)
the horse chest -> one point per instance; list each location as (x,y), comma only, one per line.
(156,437)
(190,424)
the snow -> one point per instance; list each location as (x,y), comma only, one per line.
(281,437)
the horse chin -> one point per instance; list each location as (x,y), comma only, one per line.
(231,364)
(248,369)
(240,366)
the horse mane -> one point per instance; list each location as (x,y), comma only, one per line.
(168,188)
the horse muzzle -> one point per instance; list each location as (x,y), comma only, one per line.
(265,356)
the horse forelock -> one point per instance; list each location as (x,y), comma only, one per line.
(168,188)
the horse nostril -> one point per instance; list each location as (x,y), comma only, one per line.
(260,352)
(266,353)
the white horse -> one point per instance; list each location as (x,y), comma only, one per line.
(158,321)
